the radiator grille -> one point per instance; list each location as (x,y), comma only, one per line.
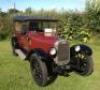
(63,52)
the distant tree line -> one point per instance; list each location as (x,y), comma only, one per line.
(72,25)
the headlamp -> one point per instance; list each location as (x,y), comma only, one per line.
(77,48)
(53,51)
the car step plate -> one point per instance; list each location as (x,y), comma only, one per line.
(20,54)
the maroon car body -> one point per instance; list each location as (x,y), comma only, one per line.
(37,40)
(34,39)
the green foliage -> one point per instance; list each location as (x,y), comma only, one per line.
(93,15)
(5,26)
(28,11)
(12,11)
(72,25)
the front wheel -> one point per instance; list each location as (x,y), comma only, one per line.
(38,70)
(86,66)
(82,64)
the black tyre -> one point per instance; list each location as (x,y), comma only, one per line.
(39,70)
(85,66)
(14,45)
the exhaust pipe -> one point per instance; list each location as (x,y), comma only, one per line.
(20,54)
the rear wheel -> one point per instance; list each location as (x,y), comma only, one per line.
(14,45)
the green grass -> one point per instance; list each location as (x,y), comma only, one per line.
(15,74)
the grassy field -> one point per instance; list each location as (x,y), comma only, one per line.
(15,74)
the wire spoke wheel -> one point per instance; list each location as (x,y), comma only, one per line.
(85,66)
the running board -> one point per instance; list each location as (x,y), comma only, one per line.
(20,54)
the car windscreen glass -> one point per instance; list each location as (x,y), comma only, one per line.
(41,25)
(35,26)
(51,25)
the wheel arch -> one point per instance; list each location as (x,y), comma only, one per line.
(14,40)
(39,52)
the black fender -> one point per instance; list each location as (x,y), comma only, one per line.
(83,48)
(39,52)
(14,42)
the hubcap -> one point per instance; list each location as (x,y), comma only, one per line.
(83,65)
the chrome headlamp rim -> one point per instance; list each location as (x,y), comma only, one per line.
(77,48)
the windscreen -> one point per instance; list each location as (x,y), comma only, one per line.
(41,26)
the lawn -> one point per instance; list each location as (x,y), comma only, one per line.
(15,74)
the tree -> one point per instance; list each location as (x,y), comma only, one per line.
(93,15)
(12,11)
(28,11)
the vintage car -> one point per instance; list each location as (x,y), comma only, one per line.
(35,39)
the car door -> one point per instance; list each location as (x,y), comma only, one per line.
(24,41)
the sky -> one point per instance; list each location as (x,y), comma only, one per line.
(45,4)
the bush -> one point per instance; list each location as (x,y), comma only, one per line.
(73,25)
